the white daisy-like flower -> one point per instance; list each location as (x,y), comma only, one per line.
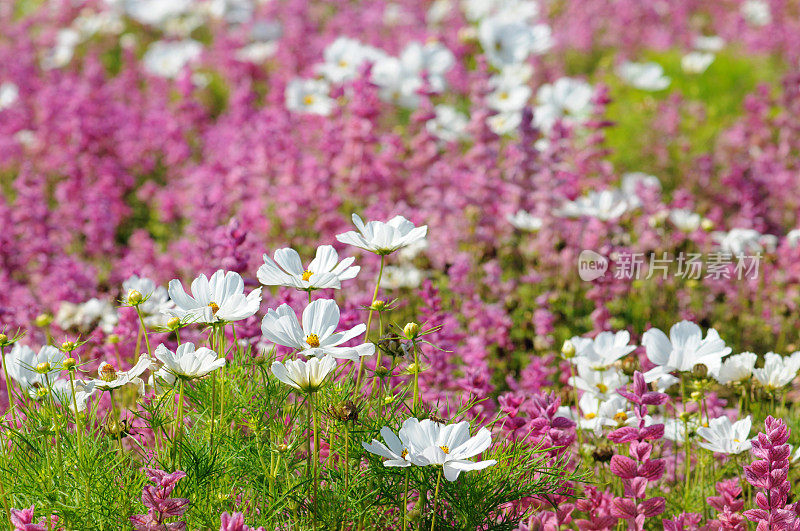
(778,371)
(383,237)
(793,238)
(448,124)
(9,93)
(324,271)
(187,362)
(675,429)
(397,84)
(696,62)
(603,350)
(218,299)
(309,96)
(634,182)
(737,368)
(605,205)
(756,12)
(567,99)
(155,12)
(402,276)
(317,336)
(169,58)
(602,383)
(398,452)
(508,42)
(726,437)
(307,376)
(745,241)
(597,413)
(644,76)
(683,349)
(709,43)
(504,123)
(22,362)
(62,393)
(432,59)
(343,57)
(156,301)
(523,10)
(63,50)
(685,220)
(525,221)
(508,95)
(85,317)
(109,378)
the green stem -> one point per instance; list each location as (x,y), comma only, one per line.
(405,500)
(346,457)
(144,331)
(11,404)
(57,425)
(416,377)
(178,435)
(222,378)
(369,324)
(436,498)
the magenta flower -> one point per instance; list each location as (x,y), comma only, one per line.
(235,522)
(160,504)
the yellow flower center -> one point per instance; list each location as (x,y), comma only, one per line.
(603,388)
(343,63)
(312,340)
(108,373)
(736,440)
(404,453)
(307,274)
(503,95)
(590,416)
(621,416)
(214,307)
(445,449)
(308,100)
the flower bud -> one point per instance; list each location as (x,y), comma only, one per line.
(174,323)
(282,447)
(43,367)
(134,297)
(112,339)
(68,346)
(568,349)
(699,371)
(3,340)
(706,224)
(411,330)
(413,369)
(378,305)
(381,372)
(69,364)
(388,399)
(43,320)
(685,416)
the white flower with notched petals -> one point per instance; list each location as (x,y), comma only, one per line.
(675,429)
(218,299)
(61,53)
(432,59)
(597,413)
(63,393)
(683,349)
(602,383)
(685,220)
(308,96)
(155,12)
(343,58)
(403,276)
(696,62)
(525,221)
(85,317)
(109,378)
(504,123)
(449,446)
(745,241)
(448,124)
(793,238)
(9,93)
(737,368)
(383,237)
(644,76)
(22,362)
(523,10)
(187,362)
(507,42)
(399,451)
(508,95)
(603,350)
(604,205)
(634,182)
(317,336)
(169,58)
(709,43)
(726,437)
(155,299)
(756,12)
(568,99)
(307,376)
(778,371)
(324,271)
(397,84)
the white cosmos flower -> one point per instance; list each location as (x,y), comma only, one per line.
(343,57)
(398,450)
(317,336)
(599,383)
(726,437)
(21,364)
(450,446)
(597,412)
(62,393)
(187,362)
(218,299)
(644,76)
(169,58)
(793,238)
(257,52)
(9,93)
(696,62)
(476,10)
(86,316)
(525,221)
(675,429)
(448,124)
(308,96)
(745,241)
(737,368)
(156,299)
(504,123)
(432,59)
(709,43)
(307,376)
(383,237)
(604,205)
(161,381)
(683,349)
(778,371)
(402,276)
(397,84)
(109,378)
(508,42)
(61,53)
(324,271)
(155,12)
(603,350)
(569,99)
(756,12)
(685,220)
(633,182)
(508,94)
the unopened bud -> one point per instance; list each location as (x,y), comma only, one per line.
(174,323)
(706,224)
(699,371)
(3,339)
(411,330)
(413,369)
(43,320)
(696,396)
(134,297)
(68,346)
(568,349)
(378,305)
(43,367)
(113,339)
(381,372)
(282,447)
(69,364)
(388,399)
(685,416)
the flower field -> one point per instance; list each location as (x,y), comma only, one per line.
(394,265)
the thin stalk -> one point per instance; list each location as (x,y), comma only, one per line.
(577,407)
(11,404)
(221,342)
(405,500)
(78,429)
(144,331)
(415,402)
(346,457)
(436,498)
(369,324)
(57,425)
(178,434)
